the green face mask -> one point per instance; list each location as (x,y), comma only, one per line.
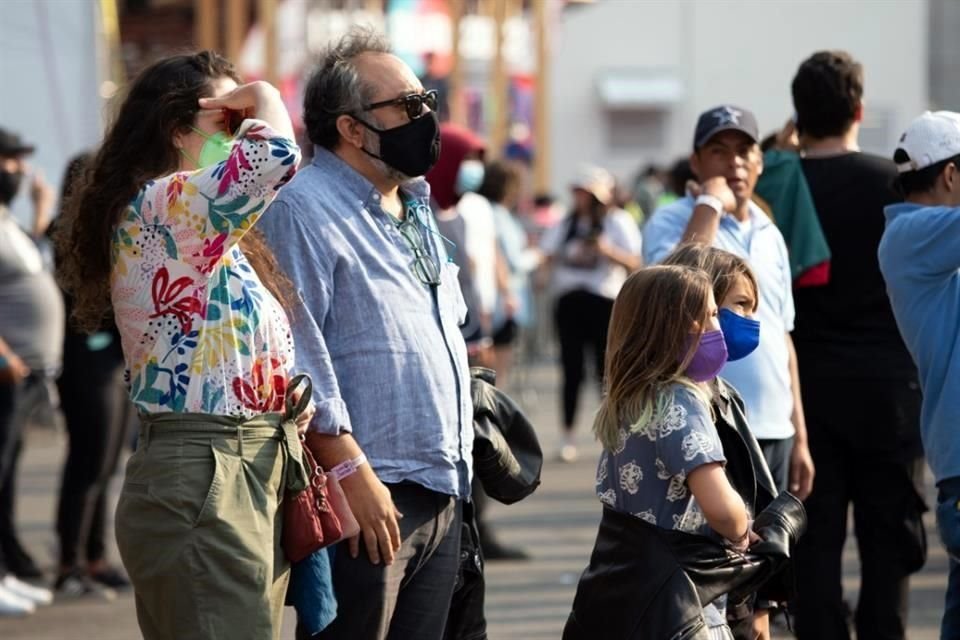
(216,149)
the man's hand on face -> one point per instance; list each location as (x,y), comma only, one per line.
(718,188)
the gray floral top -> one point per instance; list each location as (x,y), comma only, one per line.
(646,475)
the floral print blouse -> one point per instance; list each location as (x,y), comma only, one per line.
(200,332)
(646,475)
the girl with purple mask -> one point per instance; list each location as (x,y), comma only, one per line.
(663,461)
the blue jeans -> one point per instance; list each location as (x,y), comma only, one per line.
(948,524)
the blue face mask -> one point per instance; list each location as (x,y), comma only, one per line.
(741,334)
(469,177)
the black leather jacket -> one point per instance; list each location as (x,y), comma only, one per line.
(507,457)
(649,583)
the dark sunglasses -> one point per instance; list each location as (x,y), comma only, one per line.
(413,103)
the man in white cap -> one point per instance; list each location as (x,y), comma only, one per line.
(920,260)
(589,255)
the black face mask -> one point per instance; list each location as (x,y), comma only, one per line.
(9,185)
(412,148)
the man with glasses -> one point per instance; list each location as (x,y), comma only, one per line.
(378,332)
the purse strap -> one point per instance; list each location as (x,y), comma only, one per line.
(294,409)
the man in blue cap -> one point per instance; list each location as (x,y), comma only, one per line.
(727,161)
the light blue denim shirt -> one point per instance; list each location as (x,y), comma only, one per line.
(385,352)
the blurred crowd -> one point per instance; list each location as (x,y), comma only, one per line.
(811,346)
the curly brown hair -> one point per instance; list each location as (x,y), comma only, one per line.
(162,101)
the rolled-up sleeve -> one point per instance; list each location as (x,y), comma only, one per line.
(288,237)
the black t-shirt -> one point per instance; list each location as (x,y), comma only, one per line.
(846,328)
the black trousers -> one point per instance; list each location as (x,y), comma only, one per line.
(410,599)
(865,442)
(582,320)
(15,402)
(96,410)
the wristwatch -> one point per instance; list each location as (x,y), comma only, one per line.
(708,200)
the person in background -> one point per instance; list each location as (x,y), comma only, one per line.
(161,237)
(679,176)
(461,153)
(737,294)
(96,412)
(483,253)
(588,256)
(546,213)
(501,187)
(860,387)
(624,199)
(920,259)
(31,344)
(460,169)
(727,161)
(433,81)
(648,187)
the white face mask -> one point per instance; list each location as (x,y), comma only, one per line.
(469,177)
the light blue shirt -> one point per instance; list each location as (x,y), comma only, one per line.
(763,377)
(384,350)
(920,261)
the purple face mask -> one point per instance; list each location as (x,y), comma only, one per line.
(709,358)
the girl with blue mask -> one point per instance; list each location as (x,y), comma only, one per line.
(735,289)
(737,294)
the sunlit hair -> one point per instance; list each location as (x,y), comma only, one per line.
(648,347)
(162,101)
(723,268)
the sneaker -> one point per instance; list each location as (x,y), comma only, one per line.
(568,453)
(111,577)
(37,595)
(77,584)
(13,606)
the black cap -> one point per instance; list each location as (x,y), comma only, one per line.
(11,145)
(726,117)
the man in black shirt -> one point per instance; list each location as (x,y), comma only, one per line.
(860,389)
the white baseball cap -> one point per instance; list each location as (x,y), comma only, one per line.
(931,138)
(596,181)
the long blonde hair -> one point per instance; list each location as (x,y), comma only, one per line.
(648,346)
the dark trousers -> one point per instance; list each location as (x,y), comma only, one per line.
(15,401)
(96,409)
(582,320)
(777,454)
(410,599)
(865,442)
(467,620)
